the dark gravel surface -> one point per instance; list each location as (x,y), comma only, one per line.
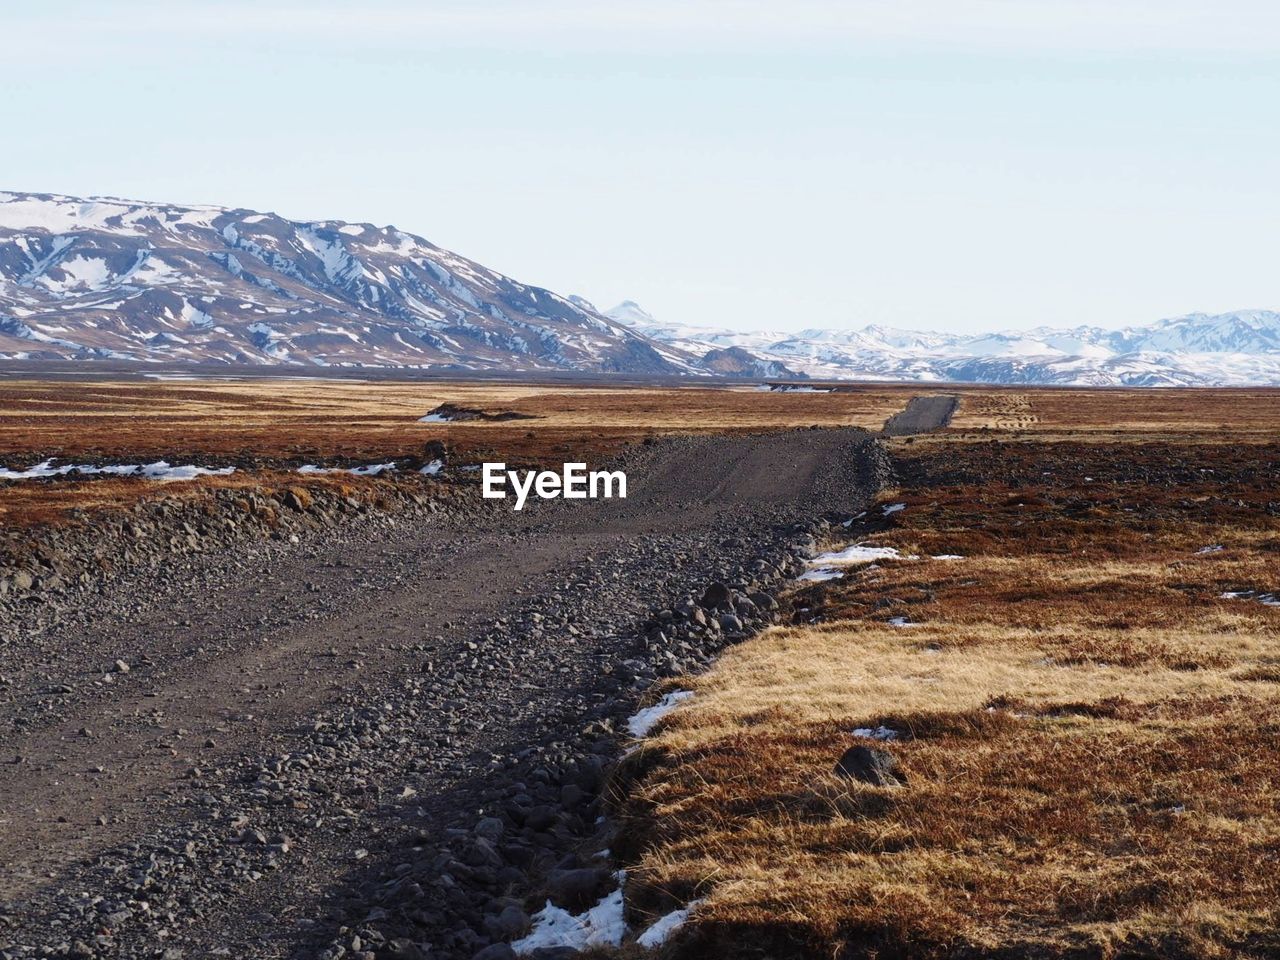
(922,415)
(389,738)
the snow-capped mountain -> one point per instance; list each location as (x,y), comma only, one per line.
(107,278)
(118,279)
(1241,348)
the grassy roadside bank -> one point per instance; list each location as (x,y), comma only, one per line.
(1083,709)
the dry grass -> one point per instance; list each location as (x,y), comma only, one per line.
(264,423)
(259,424)
(1088,730)
(1247,414)
(301,418)
(291,419)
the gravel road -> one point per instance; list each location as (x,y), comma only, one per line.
(922,415)
(265,752)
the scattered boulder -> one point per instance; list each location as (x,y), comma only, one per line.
(297,498)
(579,888)
(868,765)
(717,595)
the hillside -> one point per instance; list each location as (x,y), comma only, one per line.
(118,279)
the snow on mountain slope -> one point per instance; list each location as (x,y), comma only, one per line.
(1241,348)
(107,278)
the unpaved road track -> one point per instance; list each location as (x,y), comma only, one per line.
(922,415)
(495,633)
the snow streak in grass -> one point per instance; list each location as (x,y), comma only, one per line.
(601,926)
(821,574)
(1266,599)
(661,929)
(368,470)
(646,719)
(876,733)
(859,553)
(160,470)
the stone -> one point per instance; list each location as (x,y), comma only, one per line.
(716,595)
(297,498)
(868,765)
(579,888)
(509,924)
(765,601)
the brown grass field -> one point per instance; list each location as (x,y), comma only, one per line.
(268,427)
(261,424)
(1090,732)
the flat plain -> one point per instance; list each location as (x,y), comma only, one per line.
(1058,627)
(1065,633)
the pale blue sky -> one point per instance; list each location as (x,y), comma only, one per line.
(947,164)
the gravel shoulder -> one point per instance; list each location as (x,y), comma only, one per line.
(217,757)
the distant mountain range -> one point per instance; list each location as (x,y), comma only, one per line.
(116,279)
(103,278)
(1241,348)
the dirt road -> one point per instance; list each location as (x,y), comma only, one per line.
(204,760)
(922,415)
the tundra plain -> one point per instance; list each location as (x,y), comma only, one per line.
(367,716)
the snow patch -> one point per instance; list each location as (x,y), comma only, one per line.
(876,733)
(860,553)
(821,574)
(367,470)
(601,926)
(1266,599)
(160,470)
(661,929)
(646,719)
(893,508)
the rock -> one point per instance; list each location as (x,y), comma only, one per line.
(509,924)
(730,623)
(496,951)
(297,498)
(577,889)
(491,828)
(120,666)
(481,853)
(23,581)
(868,765)
(716,595)
(540,817)
(402,948)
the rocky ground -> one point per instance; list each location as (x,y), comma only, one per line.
(385,734)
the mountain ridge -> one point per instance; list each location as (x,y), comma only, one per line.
(1241,347)
(104,277)
(108,278)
